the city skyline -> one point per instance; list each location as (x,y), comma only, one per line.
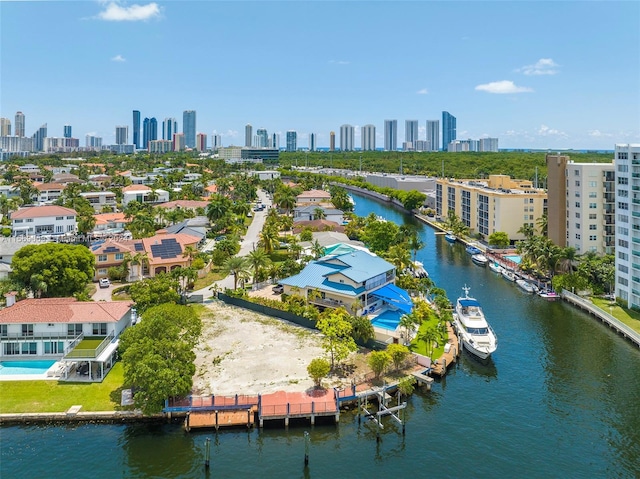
(526,87)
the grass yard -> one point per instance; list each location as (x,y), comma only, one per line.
(629,317)
(420,347)
(211,276)
(54,396)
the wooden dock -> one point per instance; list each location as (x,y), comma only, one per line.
(439,367)
(216,419)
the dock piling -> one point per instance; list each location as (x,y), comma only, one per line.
(207,453)
(306,448)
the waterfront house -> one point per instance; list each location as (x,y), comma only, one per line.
(43,220)
(82,335)
(313,197)
(143,194)
(309,212)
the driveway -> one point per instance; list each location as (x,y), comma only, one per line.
(104,294)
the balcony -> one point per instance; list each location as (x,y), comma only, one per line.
(329,302)
(37,336)
(89,348)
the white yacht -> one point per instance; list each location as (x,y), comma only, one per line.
(475,333)
(526,286)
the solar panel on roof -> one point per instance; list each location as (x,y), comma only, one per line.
(166,249)
(139,247)
(112,249)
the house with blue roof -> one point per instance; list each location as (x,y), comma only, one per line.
(354,279)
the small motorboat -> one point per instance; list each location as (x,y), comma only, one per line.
(450,237)
(479,259)
(508,274)
(526,286)
(548,294)
(495,267)
(472,249)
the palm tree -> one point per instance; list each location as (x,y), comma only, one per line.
(258,260)
(317,249)
(399,256)
(275,271)
(415,244)
(269,239)
(218,207)
(285,199)
(527,230)
(319,214)
(429,335)
(38,285)
(543,224)
(356,306)
(236,266)
(190,252)
(565,260)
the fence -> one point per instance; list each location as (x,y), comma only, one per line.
(286,315)
(305,409)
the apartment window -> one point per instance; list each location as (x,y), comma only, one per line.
(27,329)
(102,271)
(623,268)
(30,348)
(70,217)
(623,231)
(593,184)
(593,227)
(578,183)
(577,215)
(593,194)
(3,330)
(74,329)
(577,236)
(623,243)
(593,237)
(525,201)
(623,180)
(577,226)
(69,227)
(623,156)
(593,206)
(17,221)
(621,205)
(102,258)
(593,216)
(53,347)
(577,194)
(59,229)
(99,329)
(11,349)
(530,201)
(29,220)
(577,204)
(623,218)
(119,256)
(623,193)
(576,172)
(59,218)
(623,256)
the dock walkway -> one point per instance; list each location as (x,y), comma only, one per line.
(439,367)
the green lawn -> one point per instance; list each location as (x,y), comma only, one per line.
(627,316)
(54,396)
(211,276)
(420,347)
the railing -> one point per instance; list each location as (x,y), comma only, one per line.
(334,303)
(91,353)
(603,315)
(239,401)
(38,336)
(288,409)
(74,343)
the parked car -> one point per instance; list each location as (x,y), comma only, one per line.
(278,289)
(104,283)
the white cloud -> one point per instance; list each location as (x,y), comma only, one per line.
(340,62)
(502,87)
(118,58)
(424,91)
(114,12)
(544,130)
(544,66)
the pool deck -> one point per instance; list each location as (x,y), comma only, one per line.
(47,375)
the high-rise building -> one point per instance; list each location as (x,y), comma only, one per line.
(169,127)
(20,131)
(292,140)
(627,225)
(216,141)
(448,129)
(262,138)
(122,135)
(67,131)
(368,137)
(189,128)
(178,142)
(248,134)
(332,141)
(136,130)
(312,142)
(391,135)
(93,142)
(275,141)
(433,134)
(201,142)
(5,127)
(346,138)
(160,146)
(149,132)
(411,133)
(38,138)
(488,144)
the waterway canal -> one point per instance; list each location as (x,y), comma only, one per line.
(560,399)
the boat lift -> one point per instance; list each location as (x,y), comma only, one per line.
(383,410)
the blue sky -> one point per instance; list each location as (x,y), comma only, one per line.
(543,74)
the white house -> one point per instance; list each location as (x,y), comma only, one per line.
(44,220)
(143,194)
(54,328)
(100,199)
(313,197)
(48,192)
(308,213)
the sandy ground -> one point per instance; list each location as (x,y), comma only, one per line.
(242,352)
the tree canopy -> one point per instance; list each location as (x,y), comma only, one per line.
(64,269)
(158,357)
(153,291)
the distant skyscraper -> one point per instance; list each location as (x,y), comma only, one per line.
(178,142)
(448,129)
(122,135)
(169,127)
(411,133)
(262,138)
(20,124)
(136,129)
(149,132)
(275,141)
(189,128)
(38,138)
(292,140)
(346,138)
(5,127)
(433,134)
(216,141)
(201,142)
(488,144)
(332,141)
(248,133)
(312,142)
(391,135)
(67,131)
(368,136)
(93,142)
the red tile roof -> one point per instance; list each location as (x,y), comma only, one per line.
(190,204)
(314,194)
(64,310)
(105,218)
(42,211)
(136,188)
(49,186)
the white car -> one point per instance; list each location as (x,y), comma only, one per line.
(104,283)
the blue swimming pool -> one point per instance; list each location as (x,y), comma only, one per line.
(387,320)
(11,368)
(513,257)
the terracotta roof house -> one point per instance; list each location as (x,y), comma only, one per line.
(48,192)
(183,205)
(43,220)
(313,197)
(59,329)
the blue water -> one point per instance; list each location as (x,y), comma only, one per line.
(387,320)
(560,399)
(513,257)
(9,368)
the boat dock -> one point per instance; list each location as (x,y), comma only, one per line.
(451,354)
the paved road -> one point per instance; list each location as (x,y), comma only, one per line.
(248,244)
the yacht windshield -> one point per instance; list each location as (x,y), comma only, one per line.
(478,331)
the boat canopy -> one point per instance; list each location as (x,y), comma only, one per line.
(466,302)
(395,296)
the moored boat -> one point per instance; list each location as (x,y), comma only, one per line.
(472,249)
(418,270)
(473,329)
(526,286)
(479,259)
(450,237)
(508,274)
(495,267)
(548,294)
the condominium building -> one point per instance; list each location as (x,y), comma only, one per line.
(5,127)
(292,140)
(433,134)
(390,135)
(160,146)
(448,129)
(149,132)
(67,131)
(216,141)
(627,245)
(312,142)
(122,135)
(189,128)
(20,131)
(581,205)
(262,138)
(488,206)
(169,127)
(248,133)
(332,141)
(410,134)
(368,137)
(136,129)
(346,138)
(178,142)
(488,144)
(201,142)
(93,142)
(38,138)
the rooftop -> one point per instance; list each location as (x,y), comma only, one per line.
(64,310)
(41,212)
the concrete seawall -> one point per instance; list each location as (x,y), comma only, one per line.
(111,417)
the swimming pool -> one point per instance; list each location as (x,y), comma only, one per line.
(387,320)
(513,257)
(12,368)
